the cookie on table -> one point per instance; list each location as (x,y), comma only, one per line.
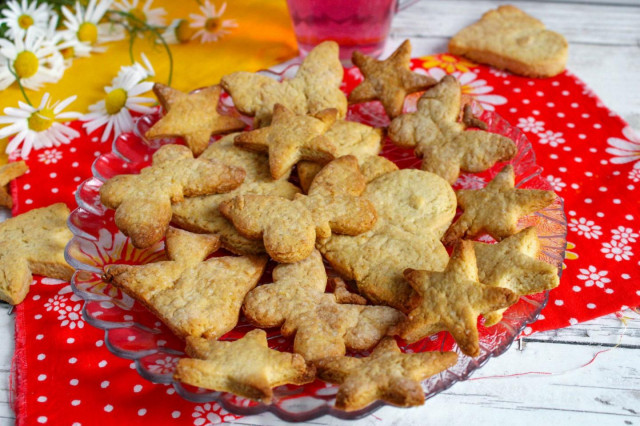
(496,208)
(290,228)
(191,295)
(508,38)
(414,210)
(323,325)
(315,87)
(512,263)
(202,214)
(444,143)
(192,116)
(452,300)
(388,81)
(9,172)
(143,201)
(387,374)
(33,243)
(245,367)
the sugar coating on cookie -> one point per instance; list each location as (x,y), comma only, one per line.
(143,201)
(315,87)
(33,243)
(510,39)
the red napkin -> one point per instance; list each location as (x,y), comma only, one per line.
(64,374)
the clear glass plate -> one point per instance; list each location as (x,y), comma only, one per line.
(132,332)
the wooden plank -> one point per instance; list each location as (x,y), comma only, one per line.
(588,23)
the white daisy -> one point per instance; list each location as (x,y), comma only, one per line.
(616,250)
(210,25)
(556,183)
(36,128)
(530,124)
(552,138)
(625,150)
(592,276)
(586,228)
(122,97)
(86,30)
(634,175)
(19,17)
(624,234)
(141,14)
(178,31)
(34,61)
(144,71)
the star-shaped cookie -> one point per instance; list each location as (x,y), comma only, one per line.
(9,172)
(512,264)
(387,374)
(443,142)
(315,87)
(192,116)
(496,208)
(389,81)
(143,201)
(191,295)
(296,301)
(33,243)
(452,300)
(246,367)
(291,138)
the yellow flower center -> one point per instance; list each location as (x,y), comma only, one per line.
(183,31)
(140,18)
(212,24)
(26,64)
(115,101)
(25,21)
(41,120)
(88,32)
(448,59)
(68,52)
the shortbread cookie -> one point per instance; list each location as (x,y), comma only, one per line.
(291,138)
(202,214)
(9,172)
(512,264)
(143,202)
(191,296)
(389,81)
(414,209)
(296,301)
(246,367)
(348,138)
(452,300)
(192,116)
(510,39)
(289,229)
(441,141)
(315,87)
(387,374)
(496,208)
(33,243)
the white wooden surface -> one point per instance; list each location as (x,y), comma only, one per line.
(604,37)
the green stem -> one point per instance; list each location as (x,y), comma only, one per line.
(24,94)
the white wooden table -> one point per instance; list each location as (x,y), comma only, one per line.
(604,37)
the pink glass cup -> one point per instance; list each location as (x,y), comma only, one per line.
(355,24)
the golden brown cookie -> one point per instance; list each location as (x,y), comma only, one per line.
(192,296)
(192,116)
(389,81)
(143,202)
(9,172)
(202,214)
(289,229)
(291,138)
(441,141)
(452,300)
(388,374)
(512,264)
(296,301)
(33,243)
(510,39)
(246,367)
(496,208)
(315,87)
(414,209)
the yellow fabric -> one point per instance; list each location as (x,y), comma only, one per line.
(264,37)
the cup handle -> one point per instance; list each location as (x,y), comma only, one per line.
(402,5)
